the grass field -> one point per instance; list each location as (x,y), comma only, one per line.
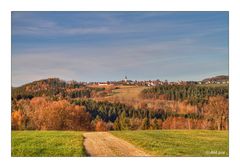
(178,142)
(156,143)
(128,92)
(47,143)
(129,95)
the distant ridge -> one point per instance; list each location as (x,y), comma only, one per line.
(57,83)
(220,78)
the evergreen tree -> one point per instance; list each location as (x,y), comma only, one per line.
(145,123)
(155,124)
(123,121)
(117,125)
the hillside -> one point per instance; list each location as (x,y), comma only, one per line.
(48,84)
(54,104)
(220,78)
(54,87)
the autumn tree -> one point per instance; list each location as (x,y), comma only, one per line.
(217,110)
(46,114)
(77,118)
(101,126)
(17,120)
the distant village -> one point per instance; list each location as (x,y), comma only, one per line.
(215,80)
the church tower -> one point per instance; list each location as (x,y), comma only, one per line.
(125,79)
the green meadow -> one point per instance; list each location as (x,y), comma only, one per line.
(178,142)
(154,142)
(47,143)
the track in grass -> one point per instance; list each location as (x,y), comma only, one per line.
(105,144)
(47,143)
(178,142)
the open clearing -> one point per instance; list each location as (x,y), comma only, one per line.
(124,94)
(47,143)
(128,92)
(105,144)
(178,142)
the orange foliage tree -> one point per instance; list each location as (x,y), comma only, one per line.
(17,120)
(217,111)
(45,114)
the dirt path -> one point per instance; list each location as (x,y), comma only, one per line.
(105,144)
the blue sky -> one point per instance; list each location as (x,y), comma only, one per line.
(101,46)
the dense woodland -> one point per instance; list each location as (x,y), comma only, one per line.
(194,94)
(53,104)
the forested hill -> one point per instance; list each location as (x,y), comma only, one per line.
(53,87)
(81,106)
(50,83)
(220,78)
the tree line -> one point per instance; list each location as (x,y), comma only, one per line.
(108,111)
(43,113)
(193,93)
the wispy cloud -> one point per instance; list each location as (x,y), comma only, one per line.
(29,24)
(95,65)
(106,46)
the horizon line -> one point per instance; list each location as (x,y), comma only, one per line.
(117,80)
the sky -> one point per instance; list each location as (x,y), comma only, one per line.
(107,46)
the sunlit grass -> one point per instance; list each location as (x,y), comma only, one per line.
(47,143)
(178,142)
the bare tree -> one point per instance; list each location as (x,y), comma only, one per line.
(217,110)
